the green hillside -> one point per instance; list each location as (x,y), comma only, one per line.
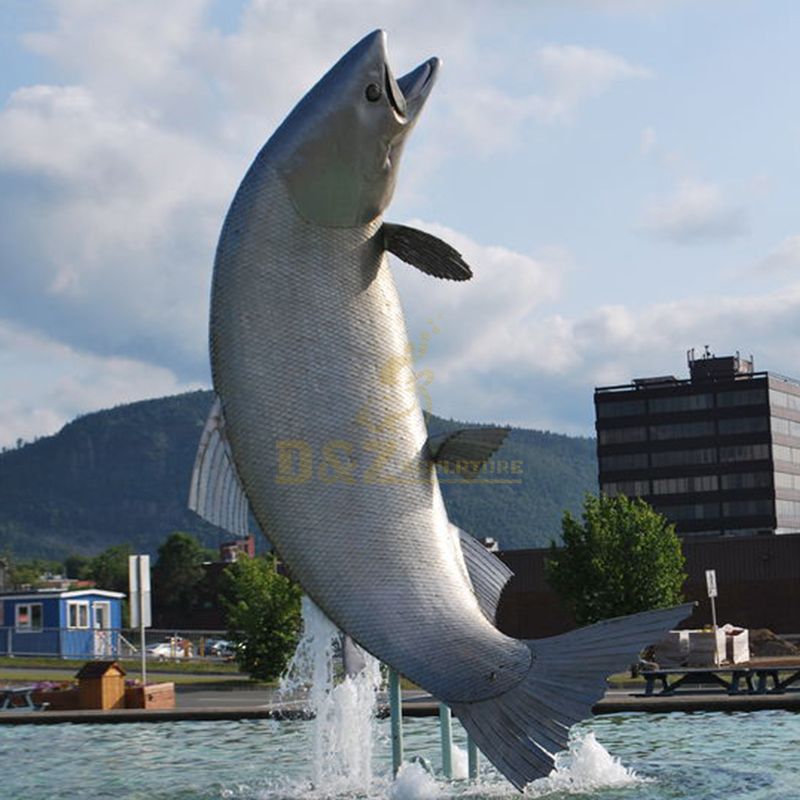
(122,475)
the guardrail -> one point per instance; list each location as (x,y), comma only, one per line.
(104,643)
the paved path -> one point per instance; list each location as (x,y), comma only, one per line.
(193,703)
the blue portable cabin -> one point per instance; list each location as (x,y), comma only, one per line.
(82,624)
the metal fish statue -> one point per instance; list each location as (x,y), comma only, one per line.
(317,427)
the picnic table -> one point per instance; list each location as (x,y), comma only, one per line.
(733,679)
(19,698)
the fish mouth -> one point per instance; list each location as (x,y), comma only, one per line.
(408,94)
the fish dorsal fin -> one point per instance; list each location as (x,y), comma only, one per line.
(466,450)
(425,252)
(487,573)
(216,492)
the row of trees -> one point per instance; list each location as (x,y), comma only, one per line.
(261,607)
(619,558)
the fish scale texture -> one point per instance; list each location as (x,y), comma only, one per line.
(522,730)
(312,363)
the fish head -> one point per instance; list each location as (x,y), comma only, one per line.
(339,149)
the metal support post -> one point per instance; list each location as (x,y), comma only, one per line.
(473,760)
(446,730)
(142,642)
(396,713)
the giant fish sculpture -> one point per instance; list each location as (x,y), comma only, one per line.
(317,427)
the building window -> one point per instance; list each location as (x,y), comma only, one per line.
(693,483)
(746,480)
(688,402)
(791,455)
(621,435)
(784,400)
(671,458)
(788,508)
(623,461)
(743,425)
(681,430)
(690,511)
(747,508)
(783,480)
(785,427)
(624,408)
(743,397)
(628,488)
(29,617)
(743,452)
(78,614)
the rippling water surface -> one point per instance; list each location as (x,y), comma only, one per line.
(652,757)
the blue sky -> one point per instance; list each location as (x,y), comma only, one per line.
(622,176)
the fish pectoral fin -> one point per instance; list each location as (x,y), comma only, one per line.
(425,252)
(487,573)
(216,492)
(466,450)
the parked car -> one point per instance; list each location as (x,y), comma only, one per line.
(221,648)
(174,647)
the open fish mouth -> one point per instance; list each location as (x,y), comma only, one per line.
(408,94)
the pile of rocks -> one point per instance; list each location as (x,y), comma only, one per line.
(766,644)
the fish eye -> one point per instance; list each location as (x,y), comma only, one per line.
(373,92)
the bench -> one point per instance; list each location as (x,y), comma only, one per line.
(19,699)
(734,680)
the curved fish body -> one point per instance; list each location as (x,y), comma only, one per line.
(319,427)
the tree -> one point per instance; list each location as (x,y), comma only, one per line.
(263,615)
(77,566)
(179,573)
(623,557)
(109,569)
(30,571)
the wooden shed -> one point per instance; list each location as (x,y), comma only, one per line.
(101,684)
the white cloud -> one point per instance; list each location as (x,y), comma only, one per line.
(575,74)
(501,357)
(113,185)
(52,383)
(112,219)
(478,329)
(566,77)
(695,212)
(784,258)
(479,320)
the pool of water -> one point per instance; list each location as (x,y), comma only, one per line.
(660,757)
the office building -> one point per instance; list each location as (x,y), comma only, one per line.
(718,453)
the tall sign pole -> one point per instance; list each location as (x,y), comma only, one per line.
(139,599)
(711,586)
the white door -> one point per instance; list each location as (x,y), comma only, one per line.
(102,625)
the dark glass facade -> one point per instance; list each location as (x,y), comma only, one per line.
(718,454)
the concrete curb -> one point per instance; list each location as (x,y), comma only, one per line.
(412,707)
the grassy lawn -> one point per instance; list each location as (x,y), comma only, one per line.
(180,679)
(28,669)
(177,666)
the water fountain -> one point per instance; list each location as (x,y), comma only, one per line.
(344,730)
(343,707)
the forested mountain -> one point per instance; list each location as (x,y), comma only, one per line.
(122,475)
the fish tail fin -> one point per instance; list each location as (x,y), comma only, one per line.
(521,730)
